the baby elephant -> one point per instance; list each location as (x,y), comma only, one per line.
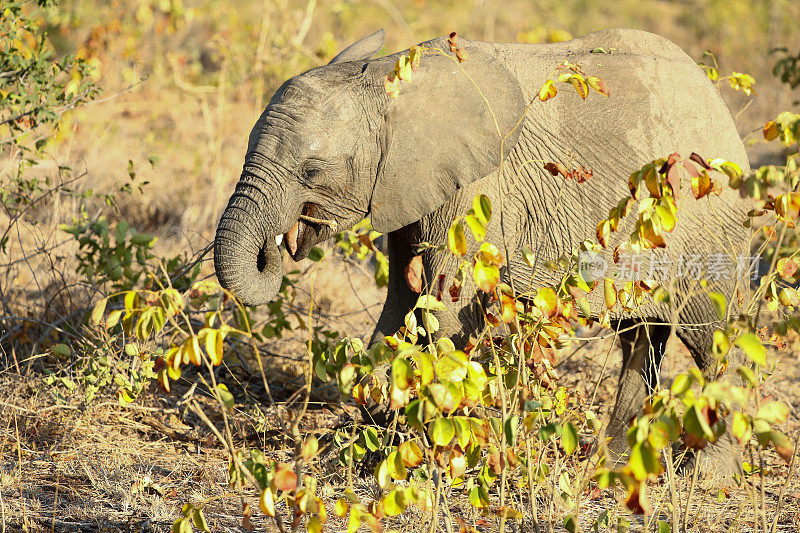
(334,145)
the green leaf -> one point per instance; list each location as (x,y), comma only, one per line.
(99,309)
(395,466)
(569,438)
(456,240)
(479,497)
(774,413)
(682,383)
(316,253)
(372,439)
(477,227)
(510,430)
(442,431)
(696,423)
(225,396)
(753,349)
(644,461)
(482,207)
(718,301)
(200,520)
(570,524)
(402,373)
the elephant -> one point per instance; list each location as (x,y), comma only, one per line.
(333,145)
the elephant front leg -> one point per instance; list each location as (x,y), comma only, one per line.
(400,299)
(642,350)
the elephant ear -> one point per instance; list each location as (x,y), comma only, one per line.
(363,49)
(441,134)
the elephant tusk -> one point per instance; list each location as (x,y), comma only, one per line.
(278,240)
(330,223)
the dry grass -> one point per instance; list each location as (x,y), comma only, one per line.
(103,467)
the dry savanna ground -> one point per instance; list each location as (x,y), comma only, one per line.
(181,84)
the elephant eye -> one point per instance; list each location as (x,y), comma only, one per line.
(310,171)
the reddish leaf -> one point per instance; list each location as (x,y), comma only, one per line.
(674,179)
(547,91)
(582,174)
(496,462)
(556,168)
(462,55)
(410,453)
(787,267)
(693,442)
(413,272)
(451,42)
(699,160)
(391,85)
(455,289)
(702,184)
(598,84)
(636,500)
(440,287)
(770,131)
(285,478)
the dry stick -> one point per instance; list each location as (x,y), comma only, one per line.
(298,438)
(761,483)
(196,259)
(752,492)
(672,489)
(786,482)
(691,491)
(199,412)
(534,506)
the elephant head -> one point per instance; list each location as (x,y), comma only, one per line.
(333,145)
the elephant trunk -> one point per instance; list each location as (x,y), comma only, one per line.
(246,255)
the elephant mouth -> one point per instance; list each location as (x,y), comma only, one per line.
(303,235)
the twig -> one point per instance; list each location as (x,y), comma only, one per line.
(196,259)
(334,225)
(785,483)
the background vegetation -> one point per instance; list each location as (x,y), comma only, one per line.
(123,126)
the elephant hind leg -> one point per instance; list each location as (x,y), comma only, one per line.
(643,347)
(722,457)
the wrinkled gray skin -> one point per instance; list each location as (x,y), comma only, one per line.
(333,145)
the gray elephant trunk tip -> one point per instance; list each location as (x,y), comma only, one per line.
(255,278)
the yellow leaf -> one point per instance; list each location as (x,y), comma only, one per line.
(547,91)
(414,55)
(267,502)
(487,276)
(192,350)
(310,447)
(579,83)
(610,293)
(456,240)
(598,84)
(113,318)
(392,85)
(214,341)
(99,309)
(403,68)
(547,302)
(770,130)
